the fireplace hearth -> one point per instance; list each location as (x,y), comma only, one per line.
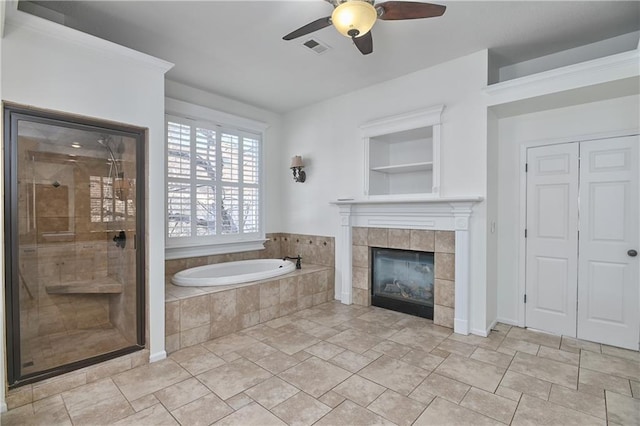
(402,280)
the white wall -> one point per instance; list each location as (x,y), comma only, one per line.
(563,124)
(327,136)
(49,66)
(275,163)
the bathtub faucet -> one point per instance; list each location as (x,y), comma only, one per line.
(298,259)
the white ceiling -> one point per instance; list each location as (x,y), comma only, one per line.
(235,48)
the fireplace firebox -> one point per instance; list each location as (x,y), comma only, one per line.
(402,280)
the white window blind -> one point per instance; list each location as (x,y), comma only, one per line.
(213,184)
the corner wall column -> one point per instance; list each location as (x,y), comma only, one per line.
(461,214)
(344,250)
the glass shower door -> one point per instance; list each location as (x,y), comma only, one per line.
(74,272)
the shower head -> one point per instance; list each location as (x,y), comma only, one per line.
(103,140)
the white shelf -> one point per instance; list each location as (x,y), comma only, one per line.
(405,168)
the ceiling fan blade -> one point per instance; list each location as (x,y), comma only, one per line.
(397,10)
(364,43)
(316,25)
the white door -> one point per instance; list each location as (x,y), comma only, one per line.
(608,275)
(552,238)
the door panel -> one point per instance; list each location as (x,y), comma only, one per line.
(553,226)
(605,302)
(609,294)
(551,295)
(552,238)
(606,211)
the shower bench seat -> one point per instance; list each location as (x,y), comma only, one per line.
(105,285)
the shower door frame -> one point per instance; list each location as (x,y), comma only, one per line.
(11,114)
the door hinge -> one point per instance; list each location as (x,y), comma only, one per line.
(525,233)
(526,167)
(525,298)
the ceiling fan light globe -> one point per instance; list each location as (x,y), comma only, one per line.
(358,15)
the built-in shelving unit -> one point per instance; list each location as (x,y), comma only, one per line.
(402,154)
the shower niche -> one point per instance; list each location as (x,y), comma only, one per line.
(74,253)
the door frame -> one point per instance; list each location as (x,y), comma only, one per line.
(522,222)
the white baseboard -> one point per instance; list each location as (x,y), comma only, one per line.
(479,332)
(507,321)
(158,356)
(460,326)
(3,407)
(484,333)
(346,298)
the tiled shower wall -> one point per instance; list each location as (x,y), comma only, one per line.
(441,243)
(61,244)
(122,267)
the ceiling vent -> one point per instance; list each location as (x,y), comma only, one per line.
(315,45)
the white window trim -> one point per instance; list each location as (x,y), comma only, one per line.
(234,243)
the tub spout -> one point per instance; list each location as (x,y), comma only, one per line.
(297,259)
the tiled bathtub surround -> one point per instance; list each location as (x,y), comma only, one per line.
(196,314)
(441,243)
(315,249)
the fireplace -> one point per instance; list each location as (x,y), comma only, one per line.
(402,280)
(439,225)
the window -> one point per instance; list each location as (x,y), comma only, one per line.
(213,184)
(104,206)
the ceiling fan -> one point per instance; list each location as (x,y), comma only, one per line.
(355,18)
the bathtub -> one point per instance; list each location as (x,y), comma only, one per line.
(243,271)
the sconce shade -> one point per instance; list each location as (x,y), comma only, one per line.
(296,167)
(354,18)
(296,161)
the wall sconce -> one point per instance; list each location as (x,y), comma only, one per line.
(296,167)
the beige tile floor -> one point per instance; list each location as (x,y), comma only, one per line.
(349,365)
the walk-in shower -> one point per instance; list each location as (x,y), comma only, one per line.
(74,255)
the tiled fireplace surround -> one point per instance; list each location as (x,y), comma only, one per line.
(439,225)
(441,243)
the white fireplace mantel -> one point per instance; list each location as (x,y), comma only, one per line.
(443,213)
